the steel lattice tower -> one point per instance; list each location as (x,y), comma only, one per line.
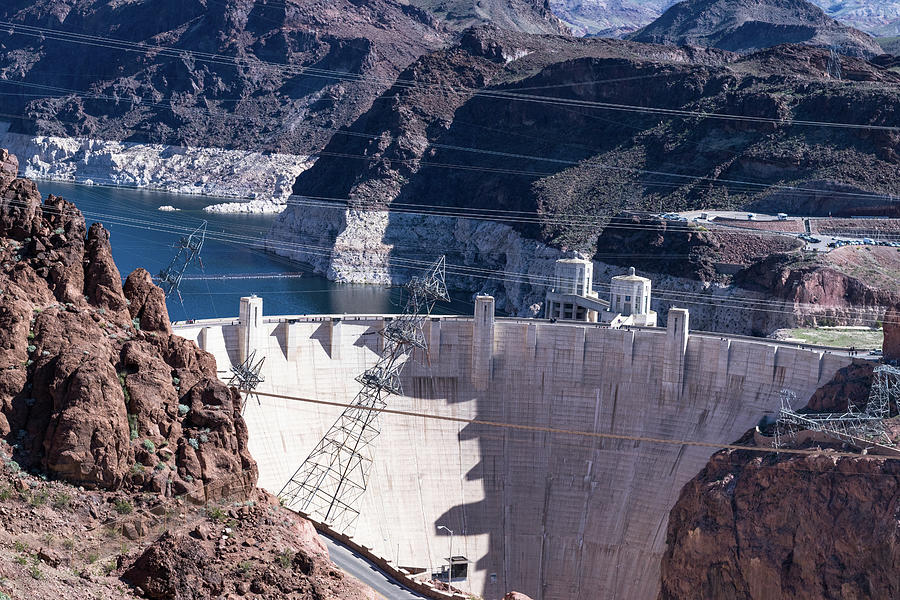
(246,377)
(189,247)
(855,427)
(330,482)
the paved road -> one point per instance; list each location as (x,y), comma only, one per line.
(357,566)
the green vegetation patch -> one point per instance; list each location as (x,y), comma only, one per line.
(842,337)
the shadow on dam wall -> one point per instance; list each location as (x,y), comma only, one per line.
(575,517)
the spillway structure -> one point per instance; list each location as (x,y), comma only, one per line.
(534,507)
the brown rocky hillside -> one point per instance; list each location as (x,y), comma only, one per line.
(283,74)
(114,431)
(757,526)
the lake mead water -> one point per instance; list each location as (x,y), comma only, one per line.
(143,236)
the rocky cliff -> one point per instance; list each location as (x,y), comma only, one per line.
(747,25)
(96,392)
(891,348)
(509,137)
(756,525)
(751,527)
(529,16)
(96,389)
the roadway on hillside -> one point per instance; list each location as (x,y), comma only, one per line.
(357,566)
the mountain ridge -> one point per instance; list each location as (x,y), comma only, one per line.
(749,25)
(613,18)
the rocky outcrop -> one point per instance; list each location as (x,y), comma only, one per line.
(750,527)
(96,392)
(516,596)
(821,292)
(891,347)
(147,302)
(281,558)
(95,389)
(748,25)
(849,387)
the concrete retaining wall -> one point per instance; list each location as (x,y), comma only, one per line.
(558,517)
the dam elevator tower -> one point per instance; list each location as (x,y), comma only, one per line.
(332,479)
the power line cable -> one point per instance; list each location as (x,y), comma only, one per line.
(576,432)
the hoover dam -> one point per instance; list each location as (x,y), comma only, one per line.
(555,515)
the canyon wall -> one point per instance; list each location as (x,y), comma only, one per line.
(556,516)
(791,527)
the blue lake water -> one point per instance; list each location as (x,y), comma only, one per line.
(143,236)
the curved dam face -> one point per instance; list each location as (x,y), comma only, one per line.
(554,515)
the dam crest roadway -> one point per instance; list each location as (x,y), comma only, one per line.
(551,515)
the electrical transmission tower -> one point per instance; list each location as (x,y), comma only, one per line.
(332,479)
(247,377)
(885,390)
(855,427)
(189,247)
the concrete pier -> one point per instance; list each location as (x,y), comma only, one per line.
(558,517)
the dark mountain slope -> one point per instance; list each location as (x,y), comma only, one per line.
(527,134)
(748,25)
(236,101)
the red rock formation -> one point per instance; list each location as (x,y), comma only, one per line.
(95,391)
(850,385)
(94,388)
(516,596)
(147,302)
(800,527)
(891,347)
(281,558)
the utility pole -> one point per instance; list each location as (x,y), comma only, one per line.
(450,558)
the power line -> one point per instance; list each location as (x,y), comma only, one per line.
(573,432)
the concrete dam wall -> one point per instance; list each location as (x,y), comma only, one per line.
(556,516)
